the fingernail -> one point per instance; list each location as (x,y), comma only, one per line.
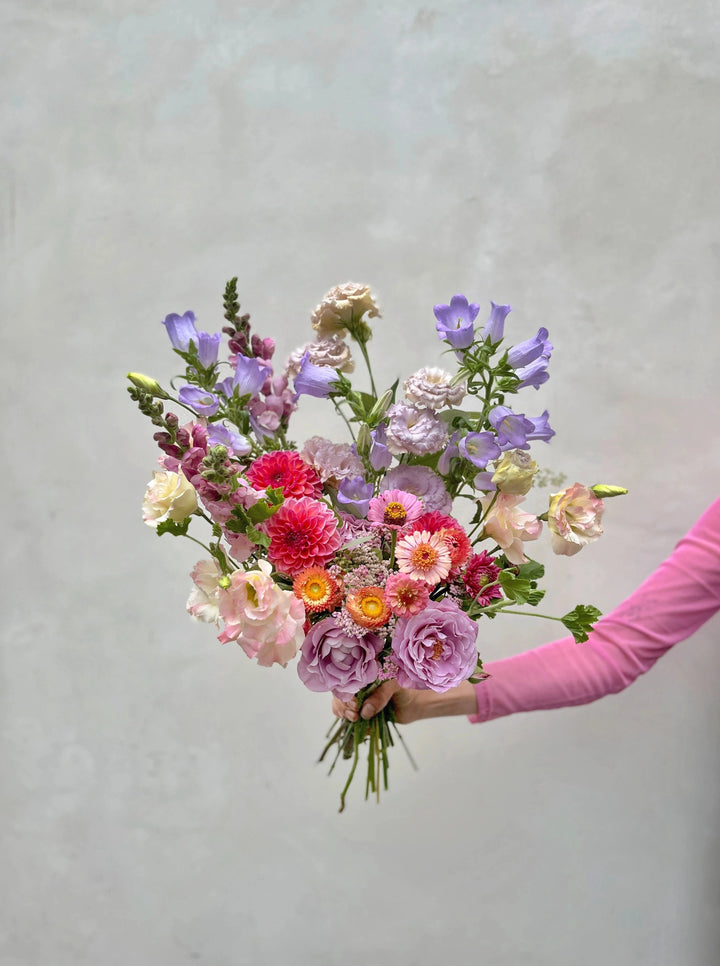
(367,711)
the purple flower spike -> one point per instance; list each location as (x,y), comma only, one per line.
(354,495)
(314,380)
(526,352)
(513,429)
(204,403)
(181,329)
(541,430)
(495,325)
(455,322)
(250,375)
(479,448)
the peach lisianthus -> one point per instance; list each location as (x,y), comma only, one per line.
(509,526)
(574,519)
(265,620)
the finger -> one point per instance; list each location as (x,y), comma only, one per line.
(378,699)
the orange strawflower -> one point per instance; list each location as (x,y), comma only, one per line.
(317,589)
(368,607)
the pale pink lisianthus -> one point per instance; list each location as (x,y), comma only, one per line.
(433,388)
(405,595)
(202,604)
(265,620)
(394,508)
(574,519)
(423,556)
(416,431)
(333,462)
(509,526)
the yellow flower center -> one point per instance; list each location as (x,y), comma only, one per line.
(372,606)
(395,513)
(315,589)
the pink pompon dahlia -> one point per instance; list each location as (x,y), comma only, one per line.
(455,536)
(405,595)
(394,508)
(480,578)
(303,533)
(424,556)
(286,470)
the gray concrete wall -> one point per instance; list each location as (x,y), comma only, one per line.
(159,799)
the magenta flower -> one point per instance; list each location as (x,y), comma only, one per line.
(330,660)
(394,508)
(435,649)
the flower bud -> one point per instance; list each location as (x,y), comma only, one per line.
(147,384)
(224,582)
(381,406)
(364,440)
(604,490)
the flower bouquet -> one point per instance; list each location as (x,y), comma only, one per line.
(348,555)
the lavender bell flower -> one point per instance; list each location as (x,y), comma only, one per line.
(512,428)
(354,495)
(249,378)
(204,403)
(455,322)
(380,456)
(541,429)
(219,435)
(533,375)
(181,331)
(450,452)
(483,481)
(526,352)
(479,448)
(314,380)
(495,325)
(207,346)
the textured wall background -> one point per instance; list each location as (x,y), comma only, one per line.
(159,801)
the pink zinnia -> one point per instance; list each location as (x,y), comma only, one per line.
(286,470)
(481,572)
(394,508)
(405,595)
(424,556)
(303,533)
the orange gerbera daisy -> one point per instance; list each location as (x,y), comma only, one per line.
(317,589)
(368,607)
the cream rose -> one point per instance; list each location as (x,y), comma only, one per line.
(574,519)
(169,496)
(343,308)
(514,472)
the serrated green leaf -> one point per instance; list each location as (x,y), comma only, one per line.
(535,596)
(171,526)
(531,570)
(258,537)
(579,621)
(514,588)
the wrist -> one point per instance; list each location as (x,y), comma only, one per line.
(456,701)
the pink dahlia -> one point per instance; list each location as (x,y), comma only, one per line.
(405,595)
(455,537)
(480,578)
(394,508)
(424,556)
(303,533)
(286,470)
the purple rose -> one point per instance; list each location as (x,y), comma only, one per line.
(435,650)
(332,661)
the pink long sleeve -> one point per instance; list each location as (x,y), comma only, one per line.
(668,607)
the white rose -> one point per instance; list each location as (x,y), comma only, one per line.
(169,496)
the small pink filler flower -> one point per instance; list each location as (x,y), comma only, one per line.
(423,556)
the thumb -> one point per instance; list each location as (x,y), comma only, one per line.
(378,699)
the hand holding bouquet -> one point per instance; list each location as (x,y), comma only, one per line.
(347,556)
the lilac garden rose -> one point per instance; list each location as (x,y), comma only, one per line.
(435,650)
(332,661)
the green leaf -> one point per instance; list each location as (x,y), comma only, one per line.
(531,570)
(170,526)
(535,596)
(514,588)
(579,621)
(258,537)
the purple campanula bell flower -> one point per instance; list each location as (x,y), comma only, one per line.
(526,352)
(483,481)
(354,495)
(533,375)
(181,329)
(219,435)
(512,428)
(249,378)
(495,325)
(541,429)
(204,403)
(455,322)
(314,380)
(207,346)
(450,452)
(479,448)
(380,456)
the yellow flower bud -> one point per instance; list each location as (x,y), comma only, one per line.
(224,582)
(605,490)
(148,384)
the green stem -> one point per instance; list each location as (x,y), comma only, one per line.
(199,542)
(366,357)
(529,613)
(340,413)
